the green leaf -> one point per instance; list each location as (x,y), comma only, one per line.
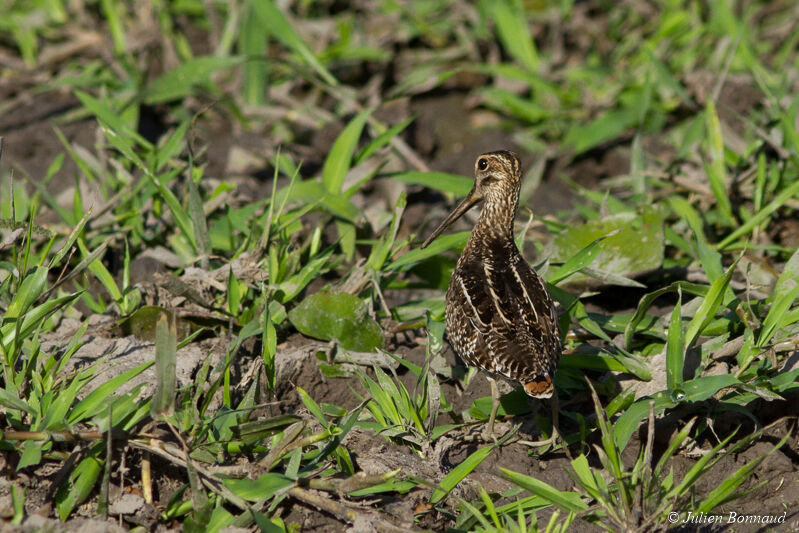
(514,32)
(608,126)
(710,258)
(628,243)
(585,477)
(183,79)
(382,140)
(110,118)
(199,222)
(577,262)
(32,287)
(785,292)
(417,255)
(567,501)
(312,191)
(163,402)
(97,400)
(715,168)
(31,454)
(724,491)
(339,158)
(313,407)
(253,43)
(628,422)
(182,218)
(274,19)
(785,195)
(261,489)
(102,273)
(13,402)
(701,388)
(675,347)
(340,316)
(648,299)
(439,181)
(77,489)
(459,472)
(708,307)
(32,319)
(591,362)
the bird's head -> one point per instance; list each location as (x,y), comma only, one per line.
(497,178)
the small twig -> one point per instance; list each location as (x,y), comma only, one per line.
(146,478)
(723,76)
(177,456)
(105,488)
(359,481)
(380,297)
(62,436)
(650,439)
(281,448)
(374,520)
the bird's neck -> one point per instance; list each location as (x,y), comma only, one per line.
(494,227)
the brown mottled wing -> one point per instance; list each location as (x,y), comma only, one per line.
(536,320)
(470,315)
(512,322)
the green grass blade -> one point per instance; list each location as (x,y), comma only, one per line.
(514,32)
(163,402)
(672,448)
(313,407)
(111,119)
(439,181)
(382,140)
(417,255)
(628,421)
(339,158)
(81,483)
(34,284)
(675,347)
(707,310)
(578,261)
(785,293)
(182,218)
(274,19)
(115,27)
(183,79)
(32,319)
(459,472)
(715,168)
(710,259)
(567,501)
(263,488)
(785,195)
(11,401)
(97,401)
(102,274)
(198,220)
(648,299)
(253,43)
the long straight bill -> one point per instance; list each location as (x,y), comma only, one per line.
(466,204)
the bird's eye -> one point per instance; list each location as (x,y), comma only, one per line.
(482,164)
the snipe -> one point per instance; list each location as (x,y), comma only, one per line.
(499,314)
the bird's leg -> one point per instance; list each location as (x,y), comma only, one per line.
(555,436)
(488,432)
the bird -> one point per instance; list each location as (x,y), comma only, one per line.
(499,314)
